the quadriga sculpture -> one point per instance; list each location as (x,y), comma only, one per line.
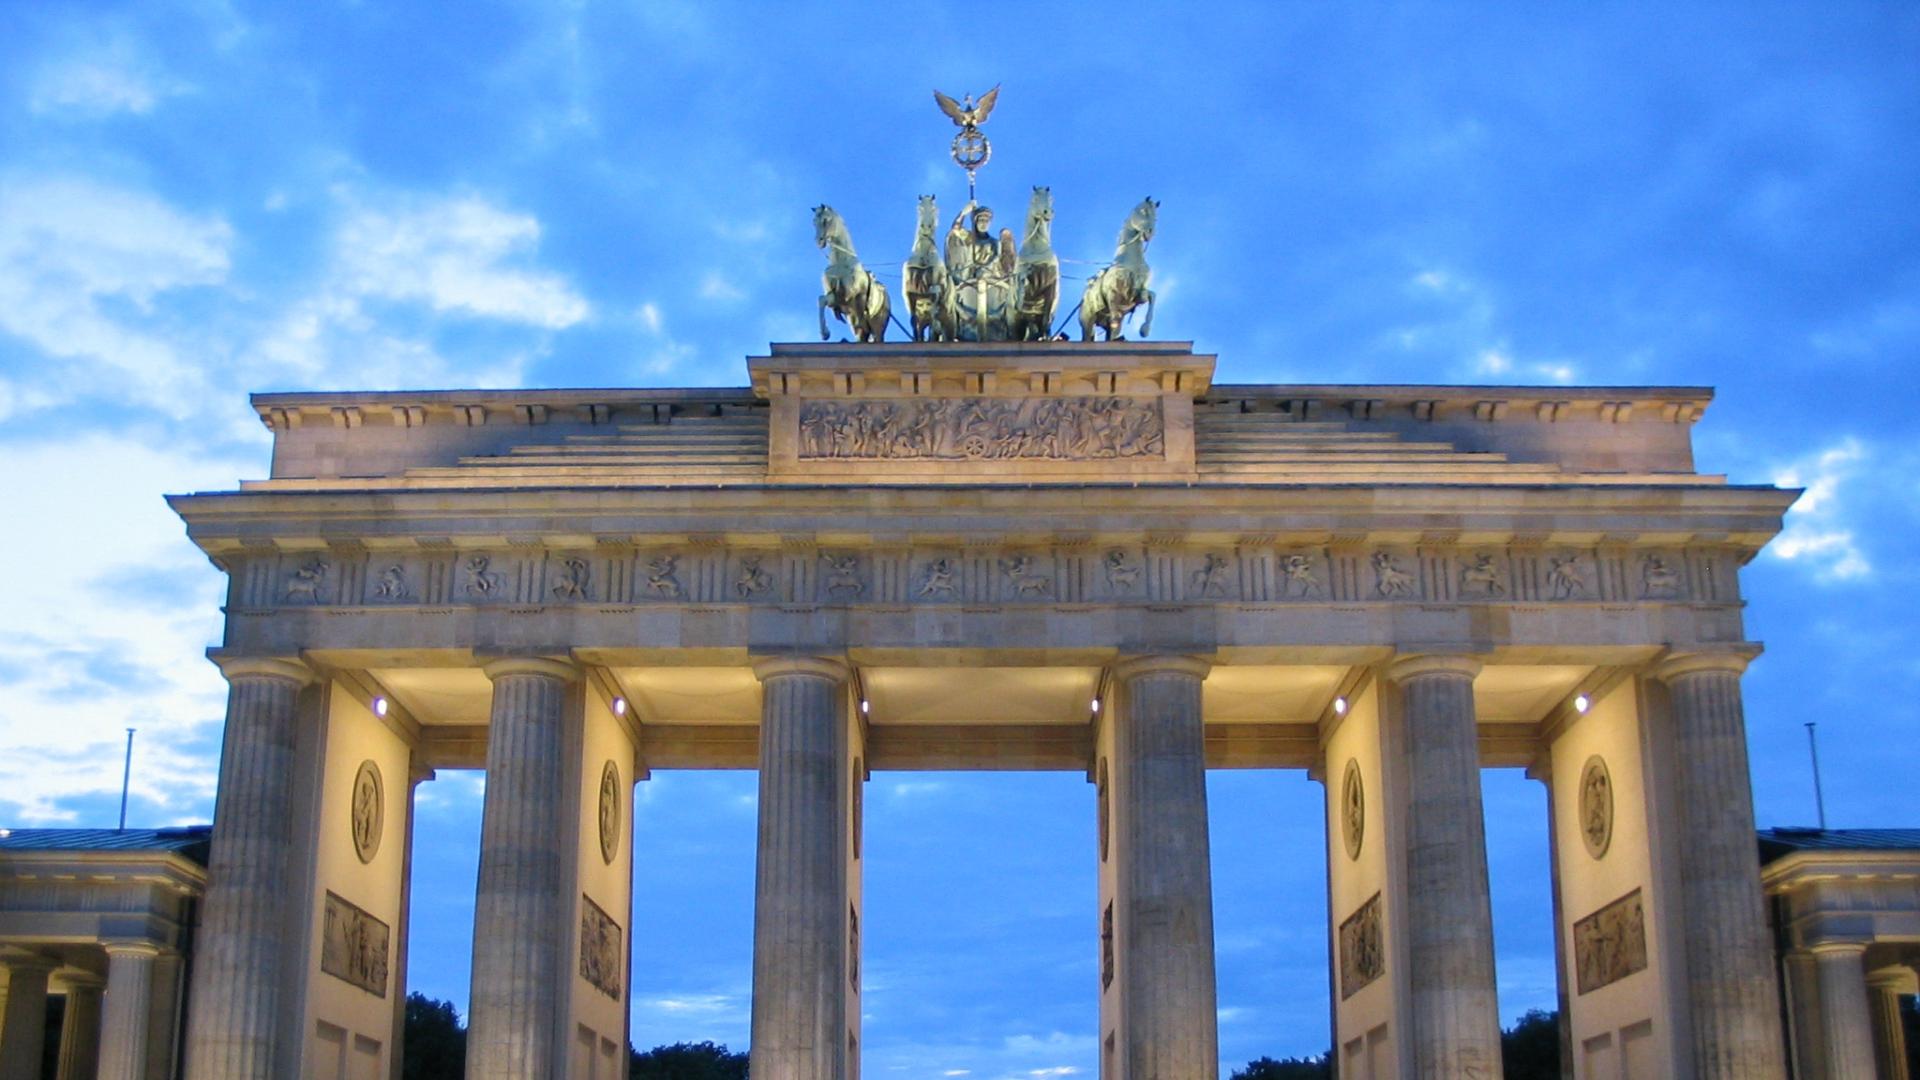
(1113,293)
(925,282)
(1036,275)
(855,296)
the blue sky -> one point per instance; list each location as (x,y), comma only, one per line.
(198,200)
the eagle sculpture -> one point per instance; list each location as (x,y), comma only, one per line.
(971,114)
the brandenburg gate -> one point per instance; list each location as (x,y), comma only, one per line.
(987,555)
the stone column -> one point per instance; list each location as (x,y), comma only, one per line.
(80,1030)
(523,909)
(1846,1022)
(1731,989)
(1169,1024)
(23,1027)
(242,949)
(1889,1036)
(1803,1003)
(800,900)
(1455,1011)
(127,1024)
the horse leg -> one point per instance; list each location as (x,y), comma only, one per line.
(825,299)
(1147,326)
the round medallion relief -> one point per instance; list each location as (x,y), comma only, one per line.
(369,811)
(1596,806)
(609,812)
(1353,810)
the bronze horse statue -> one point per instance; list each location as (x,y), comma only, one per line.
(925,281)
(1036,274)
(856,297)
(1114,292)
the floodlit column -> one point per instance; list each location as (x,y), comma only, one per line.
(80,1030)
(23,1026)
(1169,1025)
(1731,983)
(524,904)
(1803,1001)
(126,1024)
(801,895)
(1449,918)
(1846,1021)
(1889,1035)
(243,949)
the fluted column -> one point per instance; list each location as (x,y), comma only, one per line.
(23,1026)
(1889,1034)
(1455,1011)
(1803,1001)
(1169,1022)
(800,899)
(80,1030)
(1846,1021)
(126,1025)
(242,949)
(1731,988)
(524,903)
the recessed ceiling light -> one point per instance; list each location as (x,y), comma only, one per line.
(1582,704)
(379,706)
(619,706)
(1339,706)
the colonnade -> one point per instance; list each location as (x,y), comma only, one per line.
(1158,999)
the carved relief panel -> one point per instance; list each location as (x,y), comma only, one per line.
(1611,943)
(1363,954)
(602,957)
(353,946)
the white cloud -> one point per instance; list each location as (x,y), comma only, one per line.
(82,265)
(1816,529)
(455,254)
(106,629)
(717,287)
(105,80)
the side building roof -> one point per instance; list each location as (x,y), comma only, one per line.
(1778,843)
(190,841)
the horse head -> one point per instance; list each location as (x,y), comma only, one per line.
(929,221)
(1141,222)
(1040,207)
(826,222)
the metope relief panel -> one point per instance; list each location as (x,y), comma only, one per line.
(571,578)
(1122,573)
(308,578)
(1611,943)
(1302,575)
(1027,575)
(601,955)
(353,946)
(484,577)
(1392,574)
(982,429)
(751,576)
(1363,955)
(1482,575)
(1660,575)
(843,577)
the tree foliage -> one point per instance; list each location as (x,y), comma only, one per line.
(1304,1068)
(1530,1049)
(434,1046)
(688,1061)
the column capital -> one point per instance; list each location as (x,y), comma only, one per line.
(82,982)
(133,948)
(290,668)
(1896,980)
(1131,667)
(1838,948)
(1676,664)
(499,667)
(1414,665)
(831,668)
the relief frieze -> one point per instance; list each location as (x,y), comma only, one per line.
(1611,943)
(602,957)
(1278,573)
(983,429)
(353,946)
(1363,953)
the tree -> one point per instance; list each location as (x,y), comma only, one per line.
(1305,1068)
(688,1061)
(435,1044)
(1530,1049)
